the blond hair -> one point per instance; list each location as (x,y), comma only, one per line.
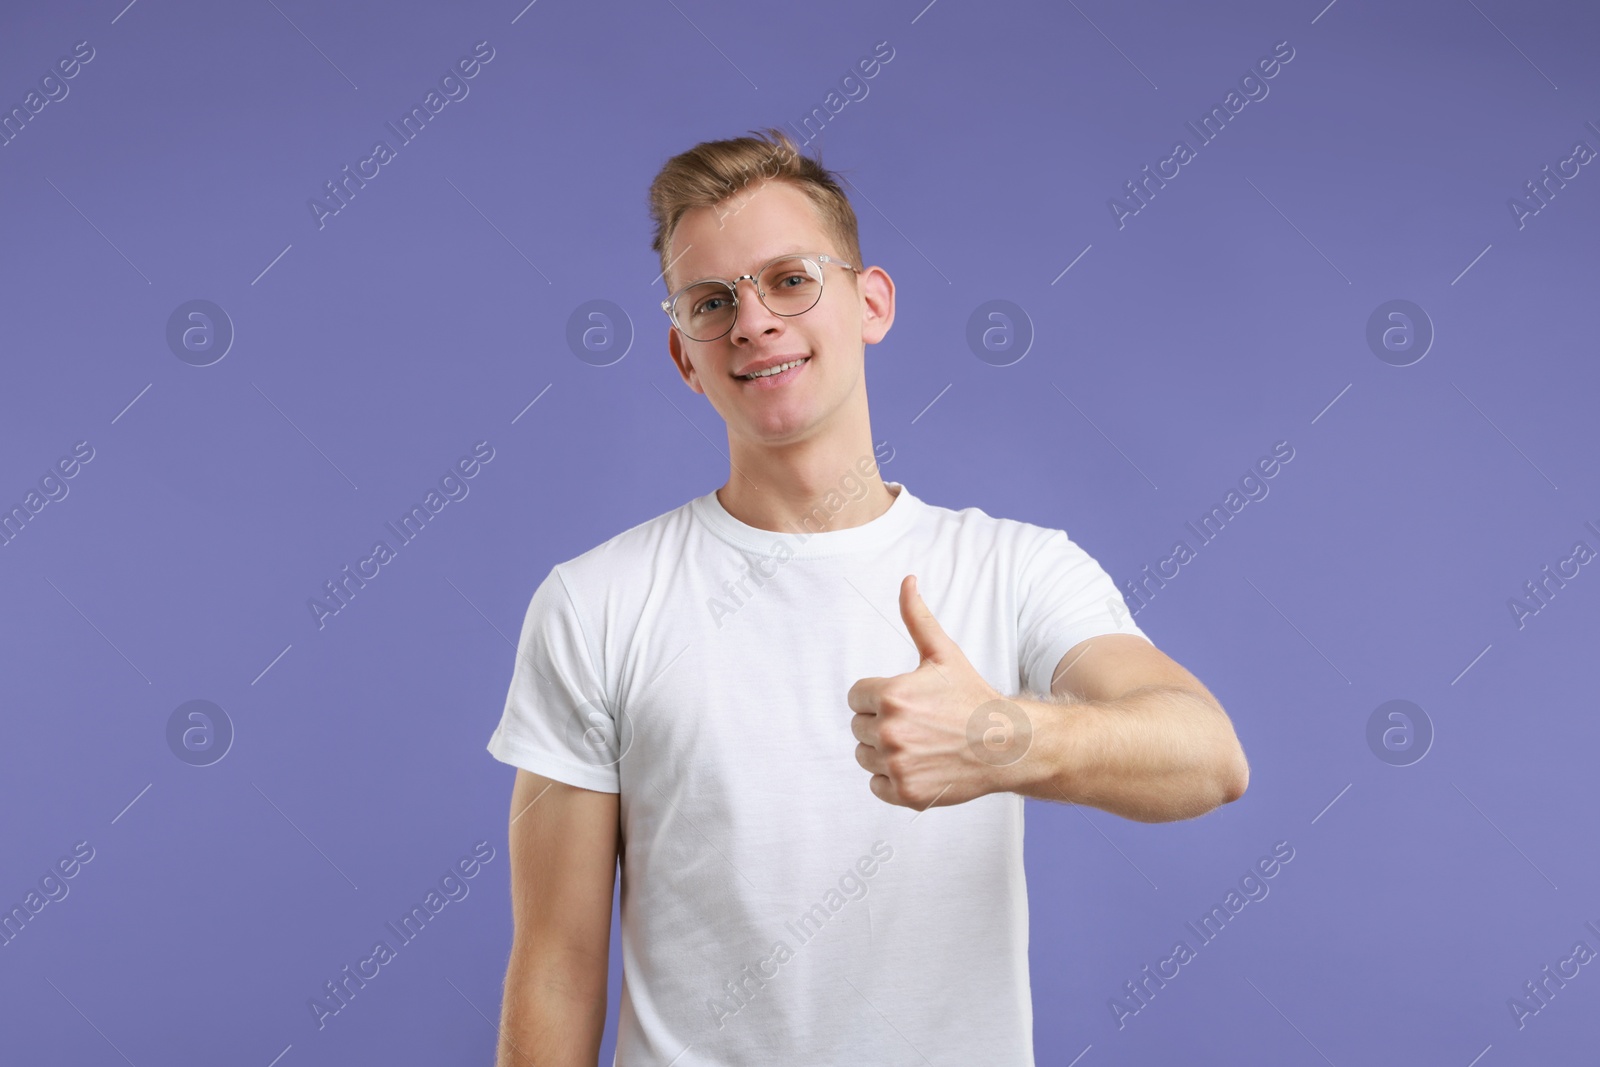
(713,171)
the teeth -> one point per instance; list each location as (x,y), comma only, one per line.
(770,371)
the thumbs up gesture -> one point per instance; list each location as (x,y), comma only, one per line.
(940,733)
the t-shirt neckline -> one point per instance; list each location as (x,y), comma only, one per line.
(813,540)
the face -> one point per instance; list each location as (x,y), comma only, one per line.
(736,237)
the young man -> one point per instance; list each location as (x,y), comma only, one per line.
(804,709)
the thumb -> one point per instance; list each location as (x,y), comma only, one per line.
(931,640)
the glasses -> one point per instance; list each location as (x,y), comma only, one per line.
(788,285)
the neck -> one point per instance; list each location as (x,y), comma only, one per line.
(810,485)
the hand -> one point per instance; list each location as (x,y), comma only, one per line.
(931,735)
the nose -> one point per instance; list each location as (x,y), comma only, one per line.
(752,316)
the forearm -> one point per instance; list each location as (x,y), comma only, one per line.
(1157,754)
(553,1014)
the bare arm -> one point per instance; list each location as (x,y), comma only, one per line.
(1130,731)
(564,844)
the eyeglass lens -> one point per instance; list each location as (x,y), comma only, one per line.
(788,286)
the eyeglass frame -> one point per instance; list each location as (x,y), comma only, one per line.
(822,258)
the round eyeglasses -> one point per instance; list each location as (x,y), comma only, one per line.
(788,286)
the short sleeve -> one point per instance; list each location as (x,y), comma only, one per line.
(1063,597)
(556,720)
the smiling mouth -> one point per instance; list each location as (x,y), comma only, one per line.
(773,372)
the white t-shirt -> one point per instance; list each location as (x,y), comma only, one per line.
(775,911)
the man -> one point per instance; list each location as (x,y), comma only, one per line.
(804,709)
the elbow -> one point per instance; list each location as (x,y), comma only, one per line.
(1235,777)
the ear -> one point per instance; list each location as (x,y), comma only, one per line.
(877,303)
(680,357)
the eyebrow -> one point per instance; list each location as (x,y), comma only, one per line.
(792,250)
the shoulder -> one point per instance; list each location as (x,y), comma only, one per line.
(623,558)
(974,526)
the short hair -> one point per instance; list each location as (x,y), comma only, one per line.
(713,171)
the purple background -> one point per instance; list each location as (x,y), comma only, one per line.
(1229,314)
